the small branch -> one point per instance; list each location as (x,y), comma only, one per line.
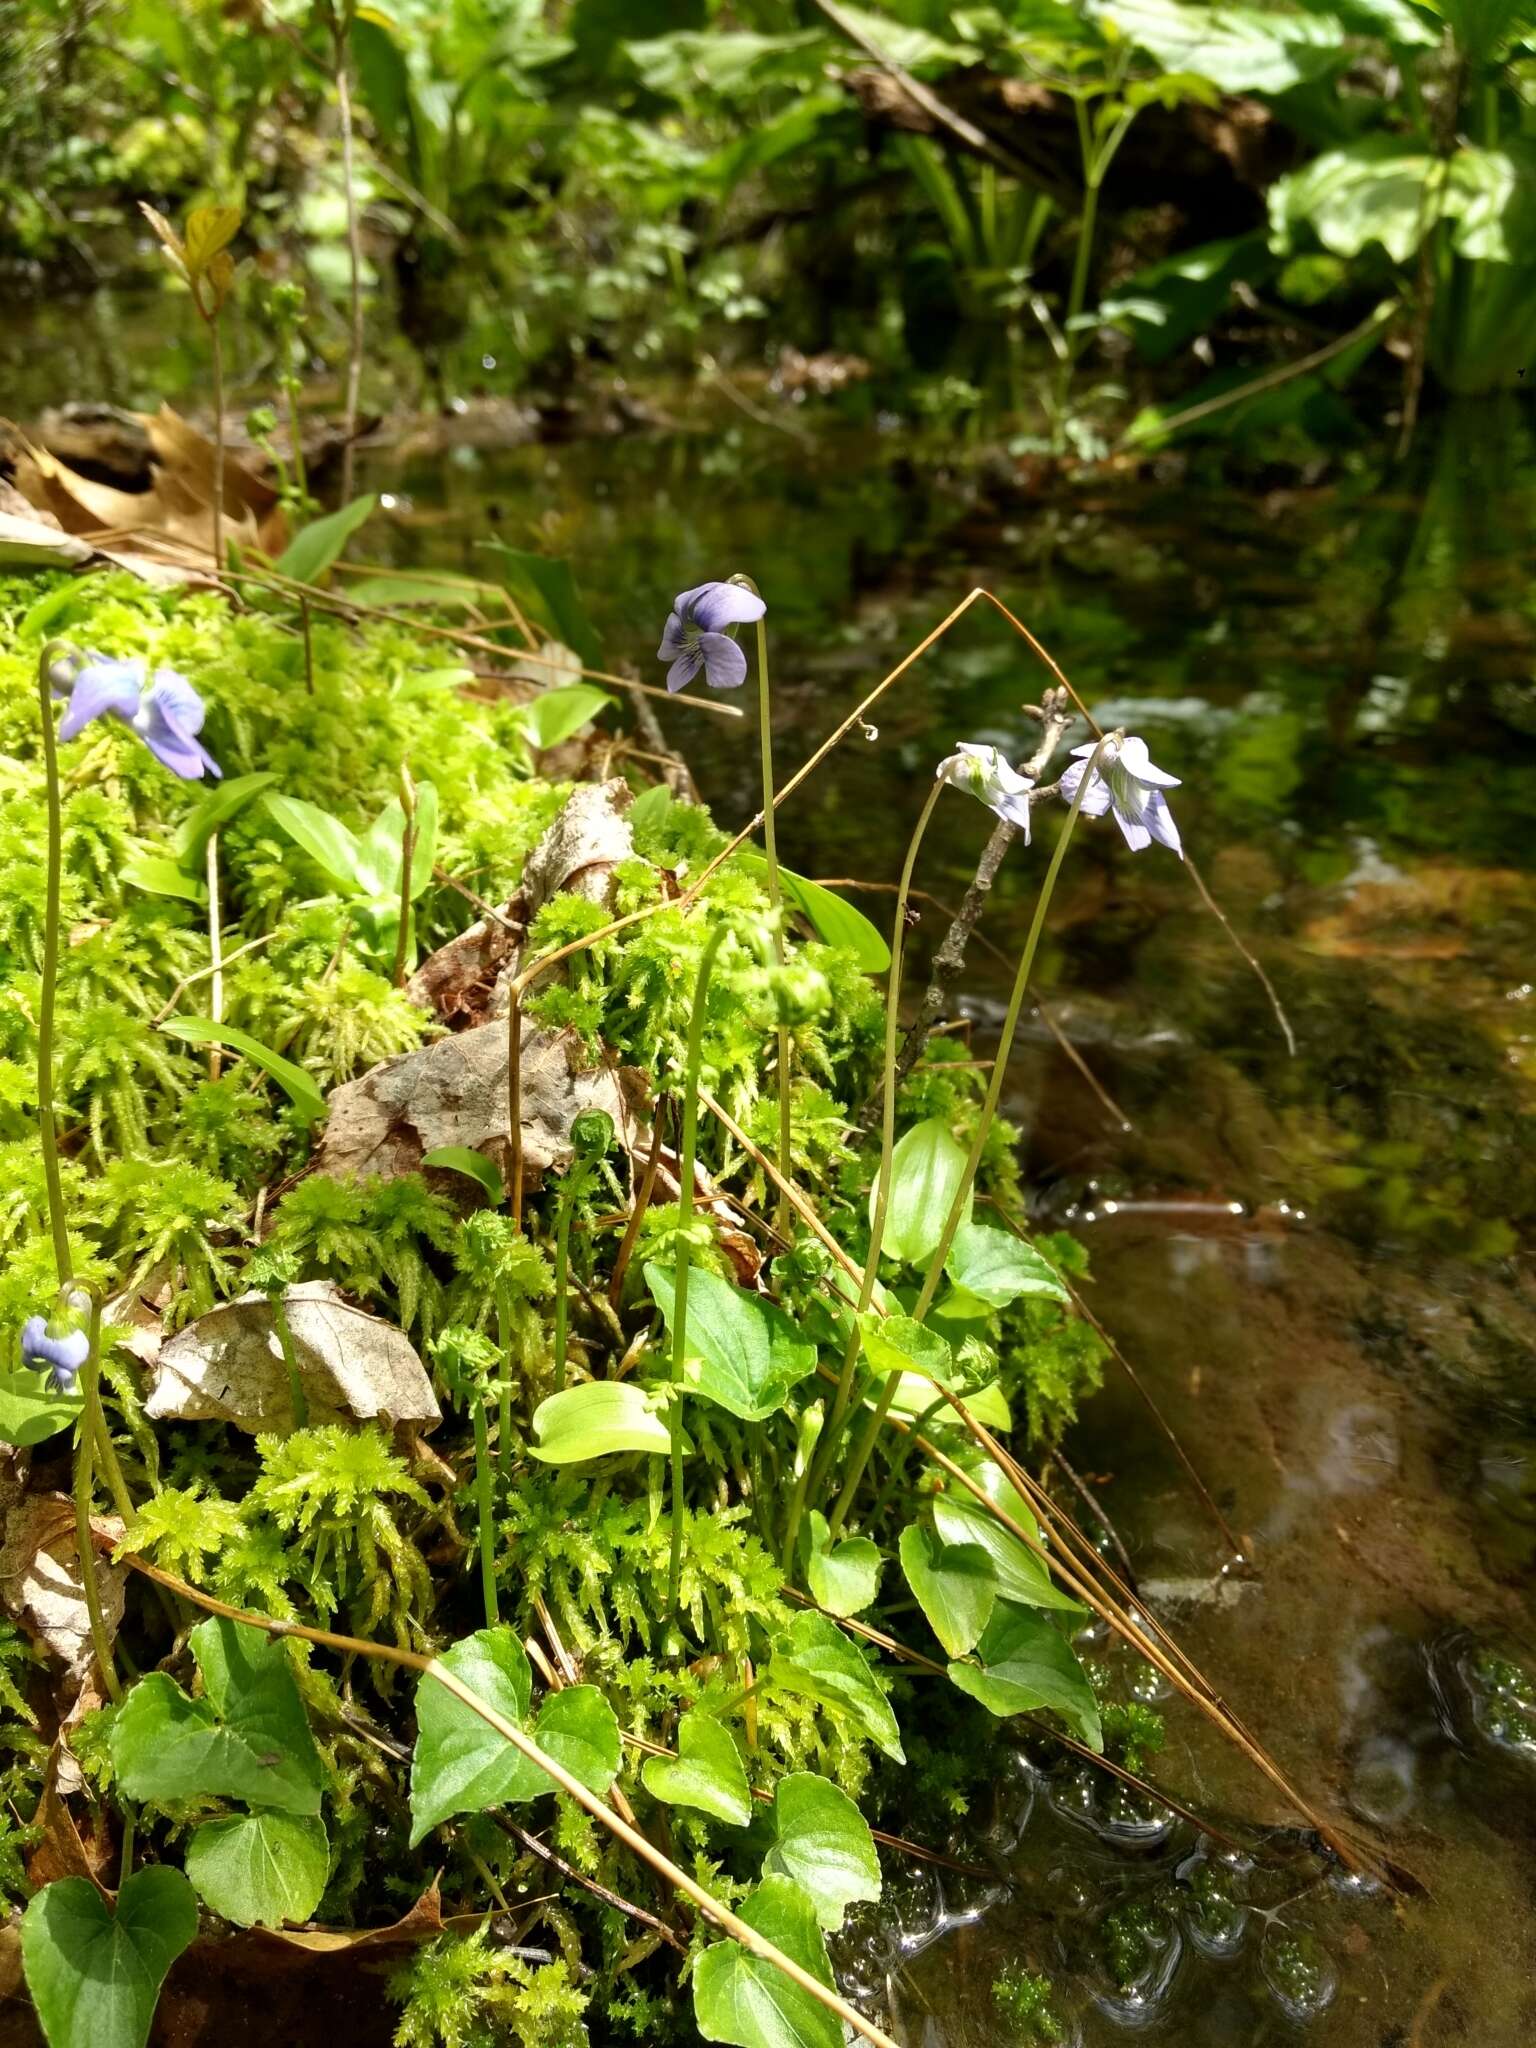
(354,257)
(600,1891)
(1264,981)
(1056,718)
(1091,1502)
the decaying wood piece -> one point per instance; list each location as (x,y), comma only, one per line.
(228,1365)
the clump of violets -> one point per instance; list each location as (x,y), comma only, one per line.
(55,1345)
(1126,784)
(161,707)
(986,774)
(698,640)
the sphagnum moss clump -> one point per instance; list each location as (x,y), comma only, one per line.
(698,1394)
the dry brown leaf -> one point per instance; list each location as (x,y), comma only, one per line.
(40,1582)
(454,1092)
(424,1922)
(228,1365)
(60,1850)
(581,848)
(457,981)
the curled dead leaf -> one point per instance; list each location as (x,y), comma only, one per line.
(454,1092)
(40,1582)
(228,1366)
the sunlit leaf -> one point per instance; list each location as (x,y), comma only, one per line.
(927,1167)
(744,1999)
(749,1353)
(1024,1662)
(315,547)
(260,1869)
(294,1082)
(460,1763)
(596,1420)
(816,1660)
(823,1842)
(844,1577)
(954,1583)
(707,1772)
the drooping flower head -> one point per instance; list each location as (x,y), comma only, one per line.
(1126,783)
(52,1344)
(163,708)
(697,637)
(988,775)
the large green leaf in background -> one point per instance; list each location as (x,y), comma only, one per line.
(246,1738)
(460,1763)
(544,589)
(1239,49)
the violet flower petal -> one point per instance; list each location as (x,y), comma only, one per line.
(169,720)
(725,666)
(686,667)
(673,640)
(101,689)
(714,606)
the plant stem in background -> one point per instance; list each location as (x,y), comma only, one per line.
(216,346)
(504,1399)
(341,23)
(46,1128)
(827,1448)
(687,1152)
(483,1507)
(775,897)
(407,862)
(882,1408)
(307,623)
(563,1269)
(1005,1041)
(215,950)
(84,1544)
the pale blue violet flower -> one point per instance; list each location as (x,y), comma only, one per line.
(63,1353)
(163,708)
(1126,783)
(696,637)
(989,776)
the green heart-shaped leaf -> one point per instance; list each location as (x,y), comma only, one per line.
(578,1729)
(260,1869)
(246,1738)
(843,1577)
(744,1999)
(706,1773)
(955,1584)
(95,1974)
(1026,1662)
(816,1660)
(823,1842)
(745,1354)
(460,1763)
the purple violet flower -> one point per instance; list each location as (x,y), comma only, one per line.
(696,638)
(63,1353)
(164,710)
(987,775)
(1126,783)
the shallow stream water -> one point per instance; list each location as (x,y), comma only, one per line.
(1313,1263)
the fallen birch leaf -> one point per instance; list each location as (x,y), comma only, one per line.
(454,1093)
(228,1365)
(580,850)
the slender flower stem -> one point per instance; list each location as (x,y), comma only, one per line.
(46,1128)
(826,1449)
(563,1268)
(687,1153)
(216,344)
(504,1399)
(1004,1050)
(775,897)
(484,1509)
(407,862)
(342,27)
(85,1547)
(962,1195)
(215,950)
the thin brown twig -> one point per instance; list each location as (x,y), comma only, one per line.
(1264,981)
(601,1891)
(642,1202)
(1095,1507)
